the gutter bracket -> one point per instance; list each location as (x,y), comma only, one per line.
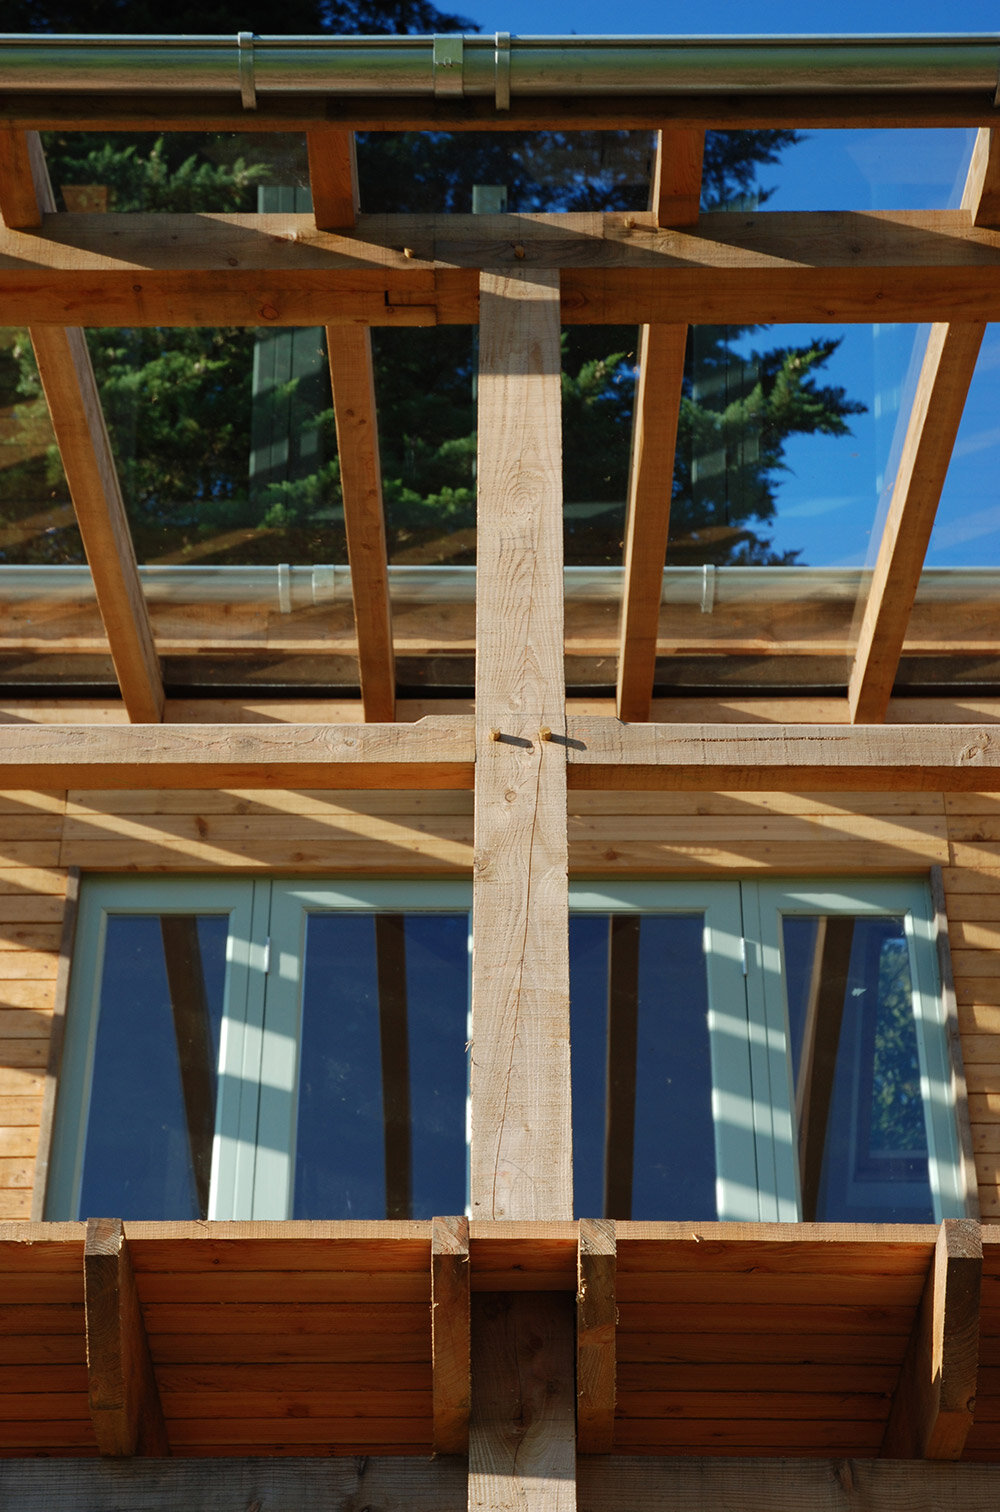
(501,62)
(449,63)
(248,84)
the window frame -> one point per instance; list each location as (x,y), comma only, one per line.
(254,1147)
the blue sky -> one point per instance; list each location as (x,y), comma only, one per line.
(833,496)
(538,17)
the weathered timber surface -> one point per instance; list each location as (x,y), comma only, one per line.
(652,1484)
(430,753)
(521,1140)
(522,1449)
(731,268)
(933,1404)
(269,1485)
(605,753)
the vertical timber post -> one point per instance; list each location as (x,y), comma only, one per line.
(522,1449)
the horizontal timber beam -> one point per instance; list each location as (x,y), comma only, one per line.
(731,268)
(438,752)
(605,1483)
(151,111)
(431,753)
(604,753)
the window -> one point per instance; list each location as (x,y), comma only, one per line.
(760,1050)
(242,1048)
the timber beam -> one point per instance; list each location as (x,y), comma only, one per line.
(124,1400)
(596,1323)
(439,752)
(935,1397)
(604,753)
(605,1483)
(198,111)
(431,753)
(732,268)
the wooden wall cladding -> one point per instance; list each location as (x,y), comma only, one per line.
(42,835)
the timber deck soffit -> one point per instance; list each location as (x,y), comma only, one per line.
(355,1337)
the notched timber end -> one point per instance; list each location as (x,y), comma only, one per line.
(451,1334)
(124,1399)
(596,1321)
(935,1397)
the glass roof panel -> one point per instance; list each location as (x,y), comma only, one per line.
(909,169)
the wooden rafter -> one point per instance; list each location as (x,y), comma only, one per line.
(654,436)
(25,192)
(353,381)
(70,387)
(189,270)
(675,195)
(333,176)
(933,1404)
(945,375)
(124,1402)
(520,1165)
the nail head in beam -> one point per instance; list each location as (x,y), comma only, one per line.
(675,193)
(596,1319)
(934,1402)
(522,1439)
(450,1334)
(333,177)
(124,1401)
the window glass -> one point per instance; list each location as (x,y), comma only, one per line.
(755,1051)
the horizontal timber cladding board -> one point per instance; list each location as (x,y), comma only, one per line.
(683,1405)
(730,268)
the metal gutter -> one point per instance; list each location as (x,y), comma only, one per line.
(289,588)
(500,66)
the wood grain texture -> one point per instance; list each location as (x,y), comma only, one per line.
(291,1484)
(934,1401)
(521,1160)
(753,268)
(596,1317)
(450,1334)
(522,1449)
(436,752)
(70,386)
(24,190)
(945,376)
(981,196)
(124,1402)
(353,382)
(333,176)
(654,434)
(605,753)
(675,192)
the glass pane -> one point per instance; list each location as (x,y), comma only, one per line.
(382,1082)
(152,1103)
(859,1108)
(641,1054)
